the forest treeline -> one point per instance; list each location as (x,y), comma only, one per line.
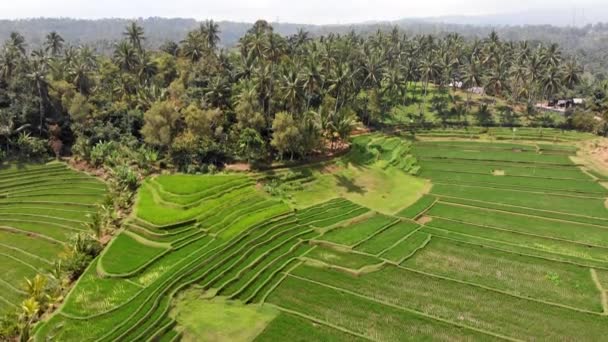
(588,43)
(197,106)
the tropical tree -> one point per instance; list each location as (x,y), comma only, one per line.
(135,35)
(53,43)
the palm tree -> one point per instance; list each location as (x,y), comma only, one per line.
(193,47)
(552,82)
(472,76)
(135,34)
(210,31)
(373,69)
(125,56)
(79,74)
(498,77)
(429,70)
(551,56)
(17,41)
(8,63)
(572,73)
(53,43)
(291,87)
(38,76)
(146,68)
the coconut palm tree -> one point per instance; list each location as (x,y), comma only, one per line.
(210,31)
(125,56)
(17,41)
(38,76)
(53,43)
(135,35)
(552,82)
(291,88)
(429,70)
(572,73)
(193,47)
(472,76)
(146,68)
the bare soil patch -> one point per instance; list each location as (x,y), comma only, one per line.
(424,219)
(239,167)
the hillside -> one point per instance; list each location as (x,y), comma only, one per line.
(219,259)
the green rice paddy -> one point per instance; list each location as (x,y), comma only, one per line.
(510,243)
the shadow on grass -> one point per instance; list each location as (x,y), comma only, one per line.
(349,185)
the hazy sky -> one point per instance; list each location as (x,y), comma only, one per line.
(300,11)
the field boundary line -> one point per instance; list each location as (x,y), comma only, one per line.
(424,211)
(8,302)
(519,232)
(513,252)
(500,163)
(365,269)
(12,287)
(412,311)
(419,248)
(21,262)
(2,214)
(133,283)
(399,241)
(524,188)
(88,205)
(19,250)
(504,292)
(376,233)
(248,266)
(589,174)
(186,270)
(516,190)
(43,208)
(321,322)
(264,268)
(513,176)
(600,287)
(454,204)
(347,221)
(501,160)
(270,290)
(58,225)
(235,258)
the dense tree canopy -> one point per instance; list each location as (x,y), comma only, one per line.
(272,96)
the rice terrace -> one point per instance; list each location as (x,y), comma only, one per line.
(168,180)
(470,254)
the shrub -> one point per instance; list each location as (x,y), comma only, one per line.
(32,147)
(101,152)
(125,177)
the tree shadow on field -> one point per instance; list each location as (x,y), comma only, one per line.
(349,185)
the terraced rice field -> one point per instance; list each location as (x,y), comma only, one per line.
(41,206)
(511,243)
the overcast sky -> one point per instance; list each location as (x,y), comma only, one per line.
(299,11)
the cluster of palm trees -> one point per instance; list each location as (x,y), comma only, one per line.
(322,82)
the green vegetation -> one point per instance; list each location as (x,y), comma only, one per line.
(407,232)
(355,233)
(219,319)
(375,173)
(42,207)
(217,257)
